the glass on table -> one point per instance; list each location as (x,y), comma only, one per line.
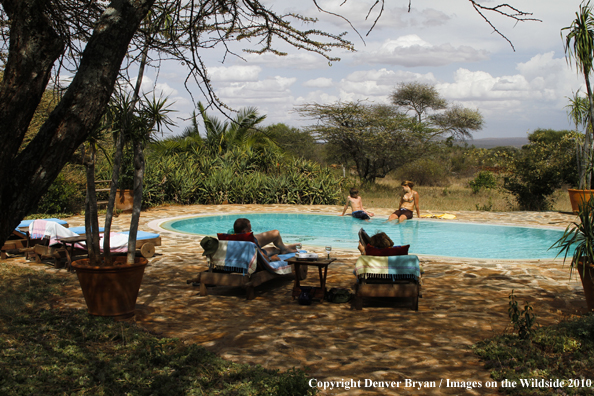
(328,250)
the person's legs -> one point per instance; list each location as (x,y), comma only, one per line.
(396,215)
(275,238)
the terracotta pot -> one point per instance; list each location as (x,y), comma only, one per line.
(112,290)
(577,197)
(124,199)
(587,278)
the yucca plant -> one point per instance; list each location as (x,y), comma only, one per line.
(578,239)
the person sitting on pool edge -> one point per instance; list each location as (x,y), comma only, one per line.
(408,202)
(356,205)
(243,225)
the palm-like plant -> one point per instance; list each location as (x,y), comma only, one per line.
(240,132)
(579,50)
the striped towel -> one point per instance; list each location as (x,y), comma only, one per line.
(236,256)
(389,267)
(54,231)
(280,267)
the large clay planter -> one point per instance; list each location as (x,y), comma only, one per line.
(124,199)
(587,277)
(111,291)
(577,197)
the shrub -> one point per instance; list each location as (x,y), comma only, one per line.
(63,196)
(424,172)
(539,169)
(242,178)
(484,179)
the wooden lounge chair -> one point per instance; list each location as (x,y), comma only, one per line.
(69,247)
(20,241)
(247,267)
(387,276)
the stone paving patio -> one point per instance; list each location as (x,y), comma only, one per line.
(464,301)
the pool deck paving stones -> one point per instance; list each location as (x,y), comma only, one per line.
(464,301)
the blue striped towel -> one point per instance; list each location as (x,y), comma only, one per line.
(236,256)
(389,267)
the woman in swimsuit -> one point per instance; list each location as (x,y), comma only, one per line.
(408,202)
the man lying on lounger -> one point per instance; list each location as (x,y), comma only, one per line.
(243,225)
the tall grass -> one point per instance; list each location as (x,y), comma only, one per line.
(456,196)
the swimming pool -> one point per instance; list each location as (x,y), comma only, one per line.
(430,237)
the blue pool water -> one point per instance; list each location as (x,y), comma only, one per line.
(431,237)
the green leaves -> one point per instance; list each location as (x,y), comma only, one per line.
(578,238)
(237,177)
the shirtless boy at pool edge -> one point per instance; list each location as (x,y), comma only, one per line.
(356,205)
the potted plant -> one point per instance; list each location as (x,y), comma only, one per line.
(578,241)
(579,47)
(111,284)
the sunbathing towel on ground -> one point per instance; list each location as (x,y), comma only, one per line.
(446,216)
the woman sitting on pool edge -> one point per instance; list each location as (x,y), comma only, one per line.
(408,202)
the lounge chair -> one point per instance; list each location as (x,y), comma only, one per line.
(55,243)
(386,276)
(20,241)
(240,264)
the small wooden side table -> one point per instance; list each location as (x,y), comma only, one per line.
(322,264)
(69,242)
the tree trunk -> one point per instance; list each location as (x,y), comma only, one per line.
(29,173)
(588,141)
(138,178)
(117,160)
(91,221)
(113,187)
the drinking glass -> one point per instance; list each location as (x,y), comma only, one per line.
(298,246)
(328,249)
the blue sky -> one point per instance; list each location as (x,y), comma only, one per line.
(445,43)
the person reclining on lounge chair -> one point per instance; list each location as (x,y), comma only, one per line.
(380,240)
(243,225)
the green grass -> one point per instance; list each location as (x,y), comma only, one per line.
(44,351)
(564,351)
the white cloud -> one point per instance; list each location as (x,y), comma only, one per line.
(234,73)
(320,82)
(294,60)
(270,89)
(377,84)
(411,51)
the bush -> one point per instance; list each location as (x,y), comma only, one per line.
(424,172)
(186,178)
(539,169)
(63,196)
(484,179)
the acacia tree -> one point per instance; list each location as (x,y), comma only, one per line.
(90,39)
(456,121)
(376,138)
